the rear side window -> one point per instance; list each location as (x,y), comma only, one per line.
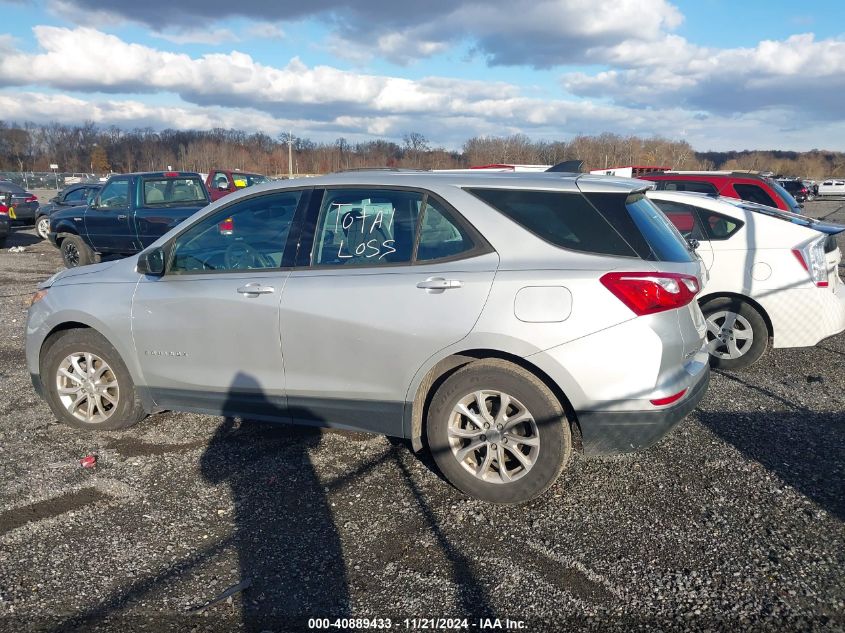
(162,191)
(367,227)
(718,226)
(440,235)
(686,185)
(791,202)
(563,219)
(754,193)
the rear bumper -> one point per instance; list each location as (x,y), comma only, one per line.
(805,317)
(605,432)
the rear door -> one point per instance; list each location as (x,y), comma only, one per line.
(389,277)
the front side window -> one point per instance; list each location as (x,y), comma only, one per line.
(77,195)
(115,195)
(754,193)
(249,235)
(173,191)
(221,180)
(366,227)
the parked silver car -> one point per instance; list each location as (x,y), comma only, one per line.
(498,319)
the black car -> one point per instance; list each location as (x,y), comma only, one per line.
(25,204)
(797,188)
(76,195)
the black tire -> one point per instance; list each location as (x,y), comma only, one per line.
(42,226)
(551,424)
(75,252)
(128,409)
(751,352)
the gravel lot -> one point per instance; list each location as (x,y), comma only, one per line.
(735,520)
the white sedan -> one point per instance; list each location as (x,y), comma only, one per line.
(832,188)
(773,274)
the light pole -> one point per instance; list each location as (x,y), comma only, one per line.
(290,154)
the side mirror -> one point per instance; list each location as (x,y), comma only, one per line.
(693,243)
(151,262)
(94,204)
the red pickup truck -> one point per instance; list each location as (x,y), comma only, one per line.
(222,182)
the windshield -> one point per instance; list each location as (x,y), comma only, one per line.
(176,191)
(787,197)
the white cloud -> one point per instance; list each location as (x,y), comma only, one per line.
(800,73)
(541,33)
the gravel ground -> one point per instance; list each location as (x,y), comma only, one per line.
(734,520)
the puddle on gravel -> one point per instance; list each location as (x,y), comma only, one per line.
(49,508)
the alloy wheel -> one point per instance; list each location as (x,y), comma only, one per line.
(87,387)
(729,334)
(493,436)
(43,227)
(71,254)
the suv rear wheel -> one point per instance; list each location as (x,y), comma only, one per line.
(737,334)
(497,432)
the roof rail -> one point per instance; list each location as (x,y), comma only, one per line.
(396,169)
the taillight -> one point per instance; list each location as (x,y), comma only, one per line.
(227,227)
(171,174)
(811,258)
(31,199)
(648,293)
(4,210)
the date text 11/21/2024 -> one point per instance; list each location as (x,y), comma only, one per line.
(419,624)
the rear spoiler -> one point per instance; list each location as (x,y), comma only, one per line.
(569,166)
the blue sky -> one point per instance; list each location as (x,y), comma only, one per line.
(721,75)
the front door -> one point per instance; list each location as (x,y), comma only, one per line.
(108,222)
(374,304)
(207,332)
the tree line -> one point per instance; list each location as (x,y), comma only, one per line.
(87,148)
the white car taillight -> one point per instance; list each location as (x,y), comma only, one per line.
(811,257)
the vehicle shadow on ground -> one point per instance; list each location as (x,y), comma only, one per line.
(19,237)
(288,547)
(806,453)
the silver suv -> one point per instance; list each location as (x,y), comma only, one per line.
(498,320)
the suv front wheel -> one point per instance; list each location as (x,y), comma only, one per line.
(497,432)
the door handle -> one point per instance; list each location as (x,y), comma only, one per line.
(256,289)
(121,217)
(438,284)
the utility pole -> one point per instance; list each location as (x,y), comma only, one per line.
(290,155)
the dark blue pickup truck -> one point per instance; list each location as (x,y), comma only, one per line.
(131,212)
